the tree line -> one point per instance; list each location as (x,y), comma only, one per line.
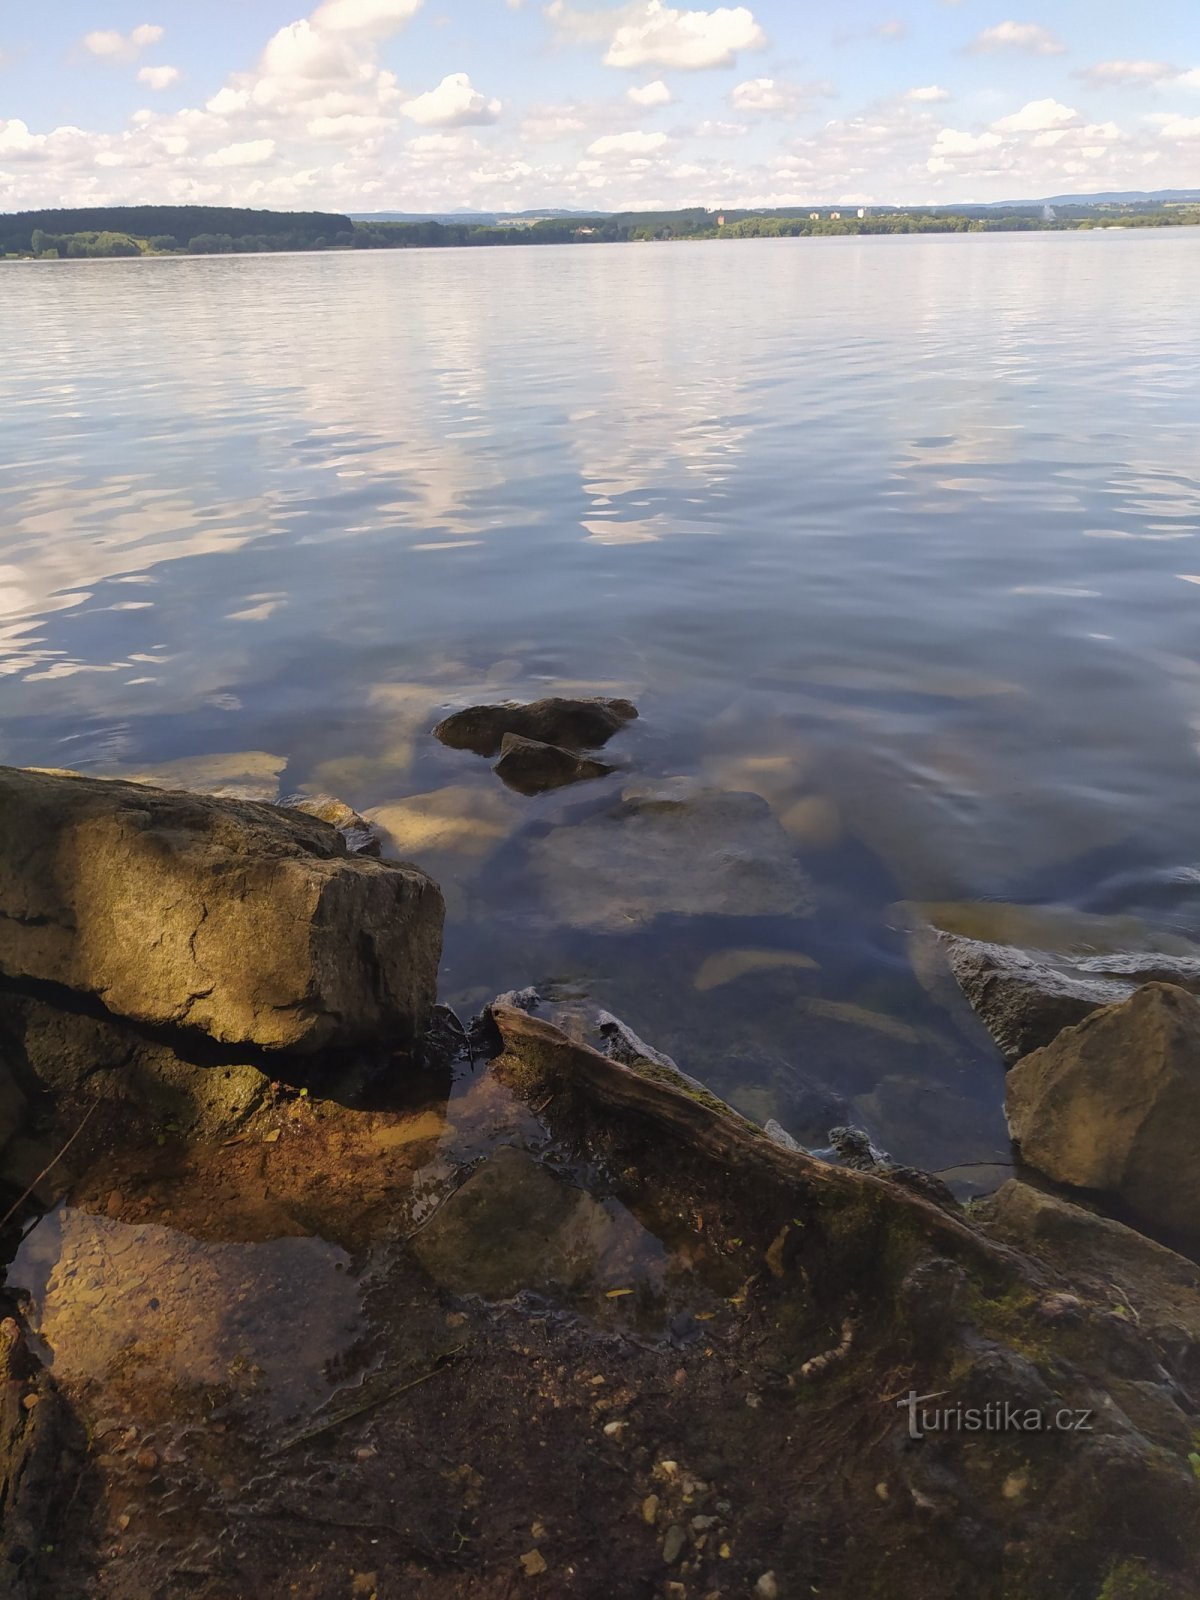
(215,230)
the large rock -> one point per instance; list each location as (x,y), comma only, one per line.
(1025,999)
(578,724)
(252,924)
(1113,1106)
(671,847)
(531,767)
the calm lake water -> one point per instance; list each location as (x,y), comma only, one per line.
(898,534)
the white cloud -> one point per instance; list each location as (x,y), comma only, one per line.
(1181,128)
(774,96)
(453,104)
(628,144)
(952,142)
(113,46)
(709,129)
(16,139)
(250,153)
(1029,36)
(1106,74)
(648,33)
(651,94)
(159,77)
(1189,80)
(374,19)
(930,94)
(1037,117)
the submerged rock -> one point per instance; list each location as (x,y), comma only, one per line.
(531,767)
(1113,1106)
(360,835)
(251,924)
(1026,999)
(511,1226)
(671,848)
(578,724)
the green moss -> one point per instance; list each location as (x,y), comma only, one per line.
(1131,1580)
(657,1073)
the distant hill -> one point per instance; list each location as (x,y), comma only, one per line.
(1121,197)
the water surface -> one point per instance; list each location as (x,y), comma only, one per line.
(898,534)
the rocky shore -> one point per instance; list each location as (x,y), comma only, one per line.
(318,1289)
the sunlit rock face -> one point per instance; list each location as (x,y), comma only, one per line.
(1113,1106)
(248,923)
(150,1307)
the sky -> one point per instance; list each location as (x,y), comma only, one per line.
(431,105)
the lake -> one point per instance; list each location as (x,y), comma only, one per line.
(896,534)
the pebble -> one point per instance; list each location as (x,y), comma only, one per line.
(673,1544)
(703,1524)
(534,1563)
(147,1459)
(882,1490)
(115,1203)
(650,1509)
(1015,1486)
(124,1520)
(30,1401)
(767,1588)
(614,1430)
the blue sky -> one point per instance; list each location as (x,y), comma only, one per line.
(506,104)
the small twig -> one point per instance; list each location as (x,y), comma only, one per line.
(961,1166)
(368,1403)
(49,1167)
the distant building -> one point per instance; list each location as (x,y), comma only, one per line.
(721,220)
(862,211)
(835,216)
(814,216)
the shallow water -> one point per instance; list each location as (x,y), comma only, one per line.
(898,534)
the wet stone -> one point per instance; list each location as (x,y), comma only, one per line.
(531,767)
(512,1226)
(671,848)
(578,724)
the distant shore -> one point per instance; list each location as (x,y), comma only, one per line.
(157,231)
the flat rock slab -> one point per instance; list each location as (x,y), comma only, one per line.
(249,923)
(531,767)
(578,724)
(1113,1106)
(1026,998)
(671,848)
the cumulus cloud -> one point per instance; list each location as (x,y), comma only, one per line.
(16,139)
(249,153)
(159,77)
(1037,117)
(111,45)
(1186,128)
(367,18)
(628,144)
(775,97)
(648,33)
(1028,36)
(651,94)
(453,104)
(953,142)
(930,94)
(1106,74)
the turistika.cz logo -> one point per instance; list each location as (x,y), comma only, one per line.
(996,1416)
